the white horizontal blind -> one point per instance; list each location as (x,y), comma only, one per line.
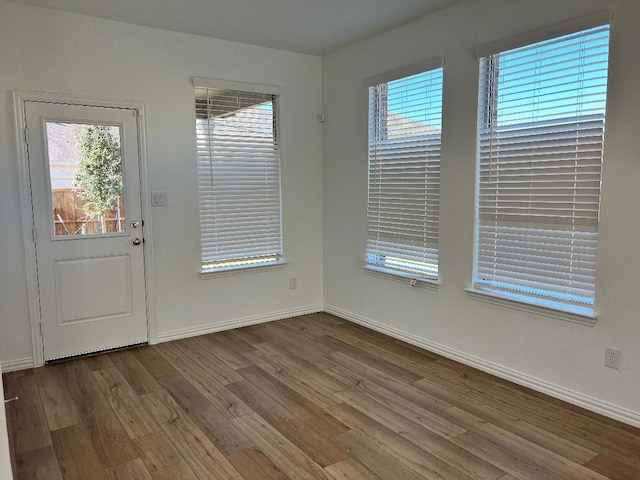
(541,137)
(238,178)
(405,122)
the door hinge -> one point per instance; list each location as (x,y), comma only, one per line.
(33,234)
(26,138)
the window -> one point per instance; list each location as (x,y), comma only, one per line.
(238,178)
(405,122)
(541,137)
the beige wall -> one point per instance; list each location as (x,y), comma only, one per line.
(552,355)
(49,51)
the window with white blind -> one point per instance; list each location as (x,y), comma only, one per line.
(541,137)
(238,178)
(405,122)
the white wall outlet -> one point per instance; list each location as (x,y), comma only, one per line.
(612,358)
(293,284)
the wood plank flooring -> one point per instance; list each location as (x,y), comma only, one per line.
(308,398)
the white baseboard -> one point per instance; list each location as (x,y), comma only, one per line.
(236,323)
(589,403)
(15,365)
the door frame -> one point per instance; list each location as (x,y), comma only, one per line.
(28,228)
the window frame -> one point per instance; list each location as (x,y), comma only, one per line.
(414,278)
(515,300)
(279,261)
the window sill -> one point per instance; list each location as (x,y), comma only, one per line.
(242,270)
(405,279)
(505,301)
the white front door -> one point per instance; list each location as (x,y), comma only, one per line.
(85,191)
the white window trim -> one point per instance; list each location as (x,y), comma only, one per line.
(561,312)
(404,278)
(544,33)
(281,262)
(389,76)
(504,301)
(233,85)
(244,269)
(398,73)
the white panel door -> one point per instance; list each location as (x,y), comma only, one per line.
(85,190)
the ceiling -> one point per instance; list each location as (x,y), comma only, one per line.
(306,26)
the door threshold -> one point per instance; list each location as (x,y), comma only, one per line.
(91,354)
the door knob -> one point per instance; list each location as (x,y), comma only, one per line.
(136,241)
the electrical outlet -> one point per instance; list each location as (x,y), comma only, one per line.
(293,283)
(612,358)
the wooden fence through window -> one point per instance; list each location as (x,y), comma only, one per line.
(70,219)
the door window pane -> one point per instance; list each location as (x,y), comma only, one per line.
(85,168)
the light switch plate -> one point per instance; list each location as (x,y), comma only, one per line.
(159,199)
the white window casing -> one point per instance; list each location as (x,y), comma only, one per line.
(405,123)
(238,159)
(541,140)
